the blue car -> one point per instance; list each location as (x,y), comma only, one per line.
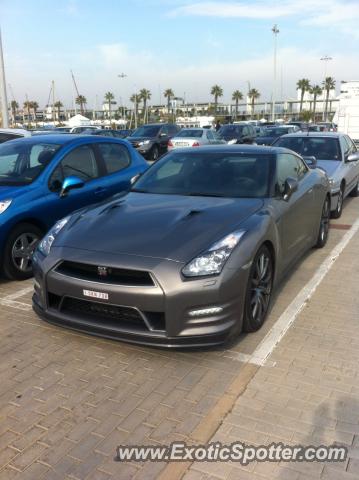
(44,178)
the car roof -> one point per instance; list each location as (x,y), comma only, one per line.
(315,134)
(255,149)
(64,139)
(15,131)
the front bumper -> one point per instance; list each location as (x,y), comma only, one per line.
(163,307)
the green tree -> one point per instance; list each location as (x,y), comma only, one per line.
(315,90)
(253,95)
(109,97)
(236,97)
(216,92)
(328,84)
(169,94)
(135,99)
(28,106)
(306,115)
(58,105)
(145,96)
(14,107)
(303,85)
(34,106)
(81,100)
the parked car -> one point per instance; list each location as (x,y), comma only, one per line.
(62,130)
(303,126)
(335,153)
(190,256)
(152,140)
(45,178)
(195,137)
(83,128)
(104,132)
(272,133)
(7,134)
(240,133)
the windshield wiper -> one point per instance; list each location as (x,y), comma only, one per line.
(199,194)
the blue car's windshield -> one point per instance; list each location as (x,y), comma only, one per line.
(209,174)
(322,148)
(22,162)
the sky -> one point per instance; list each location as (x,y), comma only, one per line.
(185,45)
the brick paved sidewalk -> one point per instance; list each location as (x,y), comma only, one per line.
(311,395)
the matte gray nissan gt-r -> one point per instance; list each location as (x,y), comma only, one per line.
(190,256)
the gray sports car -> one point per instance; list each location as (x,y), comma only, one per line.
(191,254)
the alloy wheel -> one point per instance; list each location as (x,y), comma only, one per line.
(261,287)
(324,222)
(22,251)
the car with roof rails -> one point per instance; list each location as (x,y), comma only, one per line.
(44,178)
(336,154)
(238,133)
(270,134)
(151,140)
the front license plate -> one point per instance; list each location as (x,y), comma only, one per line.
(90,293)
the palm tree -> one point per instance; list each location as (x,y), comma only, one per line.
(27,106)
(217,92)
(109,96)
(169,94)
(236,97)
(145,96)
(328,84)
(14,107)
(135,99)
(303,85)
(81,100)
(253,94)
(34,106)
(315,90)
(58,105)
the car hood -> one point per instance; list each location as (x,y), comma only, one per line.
(139,139)
(8,193)
(330,166)
(161,226)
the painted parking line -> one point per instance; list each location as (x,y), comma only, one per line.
(340,226)
(276,333)
(11,300)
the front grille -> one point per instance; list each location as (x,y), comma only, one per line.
(115,315)
(116,276)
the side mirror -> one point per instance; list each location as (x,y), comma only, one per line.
(69,184)
(135,178)
(353,157)
(290,186)
(311,161)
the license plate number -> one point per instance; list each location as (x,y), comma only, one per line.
(92,294)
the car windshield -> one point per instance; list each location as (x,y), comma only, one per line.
(22,162)
(230,129)
(224,174)
(190,133)
(276,132)
(146,131)
(322,148)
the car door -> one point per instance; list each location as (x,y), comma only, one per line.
(83,163)
(296,219)
(118,167)
(352,167)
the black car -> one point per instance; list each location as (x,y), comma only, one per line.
(238,133)
(151,140)
(270,134)
(190,256)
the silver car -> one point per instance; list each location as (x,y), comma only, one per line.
(195,137)
(335,153)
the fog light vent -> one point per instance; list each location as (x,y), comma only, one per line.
(204,312)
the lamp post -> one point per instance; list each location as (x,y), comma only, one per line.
(4,110)
(275,31)
(122,75)
(325,59)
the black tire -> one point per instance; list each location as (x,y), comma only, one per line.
(355,191)
(259,290)
(324,225)
(155,153)
(19,247)
(337,213)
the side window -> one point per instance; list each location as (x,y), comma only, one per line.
(287,166)
(172,129)
(164,130)
(245,131)
(115,156)
(210,136)
(80,162)
(351,145)
(344,145)
(4,137)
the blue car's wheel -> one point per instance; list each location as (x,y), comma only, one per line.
(20,246)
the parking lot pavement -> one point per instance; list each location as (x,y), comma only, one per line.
(67,400)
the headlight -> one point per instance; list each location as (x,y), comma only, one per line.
(4,205)
(212,261)
(48,240)
(331,182)
(145,142)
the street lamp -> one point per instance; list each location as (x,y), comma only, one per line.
(275,31)
(122,75)
(325,59)
(4,110)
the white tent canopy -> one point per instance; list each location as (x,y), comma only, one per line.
(78,121)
